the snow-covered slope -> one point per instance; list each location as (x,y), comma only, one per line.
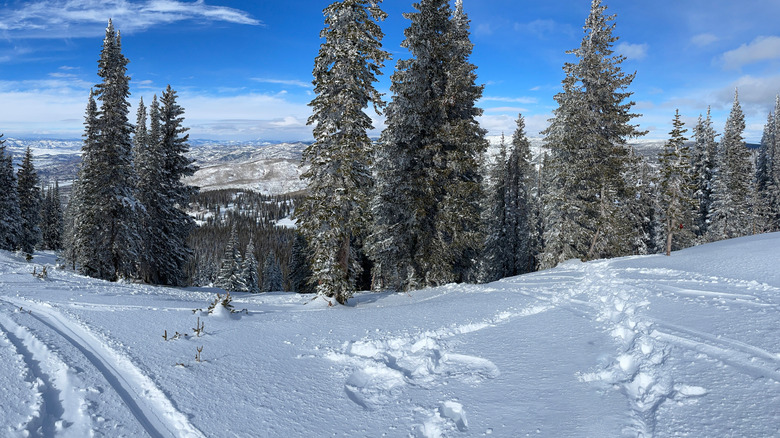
(685,345)
(269,168)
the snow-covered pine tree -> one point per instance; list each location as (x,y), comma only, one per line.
(704,158)
(677,189)
(299,270)
(272,274)
(522,210)
(250,273)
(733,191)
(105,231)
(764,180)
(52,224)
(148,190)
(774,185)
(10,214)
(175,224)
(459,227)
(334,216)
(587,208)
(29,203)
(497,258)
(230,276)
(426,202)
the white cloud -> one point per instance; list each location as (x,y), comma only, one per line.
(86,18)
(762,48)
(704,39)
(291,82)
(756,94)
(526,100)
(635,52)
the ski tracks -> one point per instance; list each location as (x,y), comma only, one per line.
(63,405)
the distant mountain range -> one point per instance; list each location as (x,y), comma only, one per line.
(271,168)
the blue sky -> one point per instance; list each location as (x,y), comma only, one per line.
(243,68)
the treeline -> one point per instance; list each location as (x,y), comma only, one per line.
(227,215)
(31,216)
(415,209)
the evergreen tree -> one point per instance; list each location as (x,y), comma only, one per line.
(522,211)
(272,275)
(733,190)
(299,272)
(497,258)
(704,158)
(677,189)
(175,224)
(459,226)
(250,274)
(231,273)
(774,159)
(10,214)
(29,203)
(764,180)
(148,163)
(105,235)
(587,209)
(426,206)
(334,216)
(52,223)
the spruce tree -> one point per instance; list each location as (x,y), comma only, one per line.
(764,180)
(426,206)
(704,158)
(496,262)
(731,214)
(231,273)
(148,165)
(522,210)
(272,275)
(10,214)
(250,273)
(175,224)
(52,224)
(459,225)
(334,216)
(105,227)
(677,189)
(29,204)
(587,209)
(774,159)
(299,270)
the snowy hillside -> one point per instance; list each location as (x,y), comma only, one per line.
(685,345)
(268,168)
(271,169)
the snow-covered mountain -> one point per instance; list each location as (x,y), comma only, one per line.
(267,167)
(646,346)
(271,169)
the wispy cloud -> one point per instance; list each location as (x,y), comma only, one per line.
(291,82)
(544,28)
(634,52)
(704,39)
(86,18)
(762,48)
(525,100)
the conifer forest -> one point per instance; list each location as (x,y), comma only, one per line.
(423,204)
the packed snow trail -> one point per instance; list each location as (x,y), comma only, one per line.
(151,408)
(60,408)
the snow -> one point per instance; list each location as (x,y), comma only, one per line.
(637,346)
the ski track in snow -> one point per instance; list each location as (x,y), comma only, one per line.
(60,408)
(147,403)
